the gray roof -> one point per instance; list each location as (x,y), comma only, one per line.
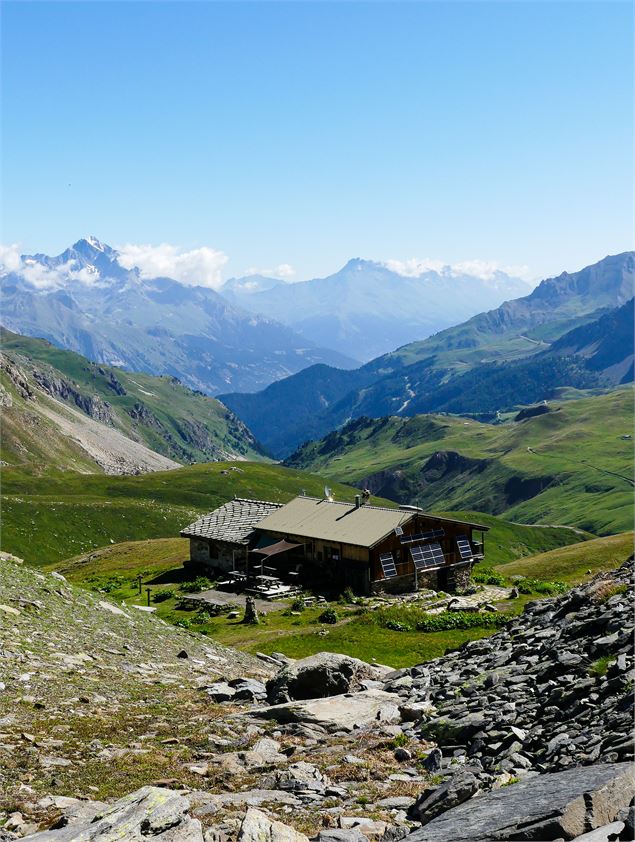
(311,517)
(232,522)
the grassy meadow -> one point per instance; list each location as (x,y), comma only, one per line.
(360,632)
(49,518)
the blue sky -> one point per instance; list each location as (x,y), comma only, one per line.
(306,133)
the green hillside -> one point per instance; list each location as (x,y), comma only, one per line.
(576,563)
(48,518)
(570,466)
(158,412)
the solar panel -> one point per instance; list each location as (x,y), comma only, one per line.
(465,548)
(388,565)
(423,536)
(428,555)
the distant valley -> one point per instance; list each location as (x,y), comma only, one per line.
(575,330)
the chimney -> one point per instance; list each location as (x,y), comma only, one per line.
(358,501)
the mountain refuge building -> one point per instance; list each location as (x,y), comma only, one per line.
(331,545)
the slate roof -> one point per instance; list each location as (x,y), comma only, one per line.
(232,522)
(312,517)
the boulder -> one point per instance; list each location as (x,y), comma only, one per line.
(562,805)
(336,713)
(457,789)
(324,674)
(298,777)
(148,813)
(257,827)
(248,690)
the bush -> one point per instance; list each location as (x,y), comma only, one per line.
(394,625)
(298,604)
(329,616)
(461,620)
(201,583)
(183,624)
(529,586)
(109,584)
(161,596)
(487,576)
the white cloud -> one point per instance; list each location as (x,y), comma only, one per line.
(10,259)
(486,270)
(199,267)
(45,277)
(284,271)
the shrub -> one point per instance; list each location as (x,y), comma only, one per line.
(183,624)
(461,620)
(201,583)
(394,625)
(109,583)
(329,616)
(529,586)
(298,604)
(161,596)
(487,576)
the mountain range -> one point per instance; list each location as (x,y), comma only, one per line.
(367,309)
(83,300)
(572,330)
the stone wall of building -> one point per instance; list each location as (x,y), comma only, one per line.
(216,555)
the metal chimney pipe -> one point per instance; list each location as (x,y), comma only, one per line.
(358,501)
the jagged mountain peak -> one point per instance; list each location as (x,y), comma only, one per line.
(92,246)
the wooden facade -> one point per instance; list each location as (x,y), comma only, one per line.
(332,564)
(335,545)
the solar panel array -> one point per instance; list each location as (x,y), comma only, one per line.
(428,555)
(388,565)
(422,536)
(465,548)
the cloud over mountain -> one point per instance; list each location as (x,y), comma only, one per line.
(197,267)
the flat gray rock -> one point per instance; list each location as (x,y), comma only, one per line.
(344,712)
(563,805)
(149,813)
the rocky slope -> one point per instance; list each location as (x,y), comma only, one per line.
(525,735)
(61,410)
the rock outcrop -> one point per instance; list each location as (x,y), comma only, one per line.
(563,805)
(320,675)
